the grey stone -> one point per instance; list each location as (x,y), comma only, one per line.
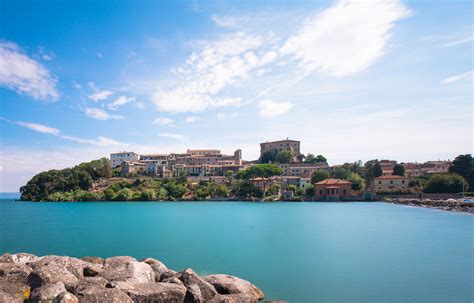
(156,292)
(67,298)
(73,265)
(8,298)
(18,258)
(52,273)
(167,275)
(157,266)
(14,292)
(127,269)
(88,282)
(95,260)
(226,284)
(235,298)
(48,292)
(190,278)
(103,295)
(14,272)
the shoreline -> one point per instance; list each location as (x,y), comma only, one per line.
(445,205)
(28,278)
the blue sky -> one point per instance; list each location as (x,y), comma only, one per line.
(350,79)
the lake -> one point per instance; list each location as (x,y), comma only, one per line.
(299,252)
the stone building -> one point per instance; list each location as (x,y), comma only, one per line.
(389,183)
(116,159)
(275,146)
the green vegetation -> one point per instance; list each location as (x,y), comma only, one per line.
(464,165)
(398,170)
(310,158)
(284,157)
(263,171)
(319,175)
(445,183)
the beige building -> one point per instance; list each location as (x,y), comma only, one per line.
(116,159)
(389,183)
(301,169)
(276,146)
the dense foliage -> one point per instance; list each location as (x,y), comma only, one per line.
(464,165)
(71,180)
(445,183)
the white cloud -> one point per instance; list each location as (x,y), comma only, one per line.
(270,109)
(25,75)
(99,114)
(224,21)
(173,136)
(40,128)
(224,116)
(459,41)
(458,77)
(100,95)
(345,38)
(163,121)
(140,105)
(47,57)
(191,119)
(122,100)
(204,77)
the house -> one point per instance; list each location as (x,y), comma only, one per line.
(301,169)
(332,189)
(116,159)
(389,183)
(299,182)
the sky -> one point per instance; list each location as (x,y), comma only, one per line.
(351,79)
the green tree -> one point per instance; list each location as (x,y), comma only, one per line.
(373,169)
(264,171)
(358,183)
(273,190)
(319,175)
(309,190)
(148,195)
(310,158)
(399,170)
(245,189)
(124,194)
(293,188)
(341,173)
(464,165)
(221,191)
(268,156)
(445,183)
(284,156)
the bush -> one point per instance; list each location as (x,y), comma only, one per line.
(148,195)
(221,191)
(445,183)
(248,190)
(125,194)
(309,191)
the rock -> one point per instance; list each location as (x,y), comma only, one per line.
(67,298)
(52,273)
(91,269)
(156,292)
(193,294)
(127,269)
(226,284)
(15,291)
(235,298)
(8,298)
(95,260)
(88,282)
(18,258)
(73,265)
(48,292)
(158,267)
(168,275)
(173,280)
(103,295)
(14,272)
(190,278)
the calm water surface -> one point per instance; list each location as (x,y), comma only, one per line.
(300,252)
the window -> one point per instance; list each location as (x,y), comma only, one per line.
(321,192)
(344,191)
(403,181)
(391,181)
(380,182)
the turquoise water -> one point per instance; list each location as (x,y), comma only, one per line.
(300,252)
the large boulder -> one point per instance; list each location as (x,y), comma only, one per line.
(13,292)
(52,273)
(89,282)
(127,269)
(155,292)
(14,272)
(73,265)
(18,258)
(226,285)
(235,298)
(158,267)
(103,295)
(198,289)
(95,260)
(67,298)
(48,292)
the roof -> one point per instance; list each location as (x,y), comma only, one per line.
(278,141)
(333,182)
(389,177)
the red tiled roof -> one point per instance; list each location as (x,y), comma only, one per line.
(333,182)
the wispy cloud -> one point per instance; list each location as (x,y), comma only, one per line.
(122,100)
(191,119)
(459,41)
(224,116)
(173,136)
(40,128)
(270,109)
(345,38)
(99,114)
(98,94)
(163,121)
(458,77)
(25,75)
(224,21)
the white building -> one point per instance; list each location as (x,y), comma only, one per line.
(116,159)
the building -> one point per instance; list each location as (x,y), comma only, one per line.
(389,183)
(301,169)
(116,159)
(132,168)
(292,145)
(299,182)
(332,189)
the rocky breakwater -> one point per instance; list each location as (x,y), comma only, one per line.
(449,204)
(62,279)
